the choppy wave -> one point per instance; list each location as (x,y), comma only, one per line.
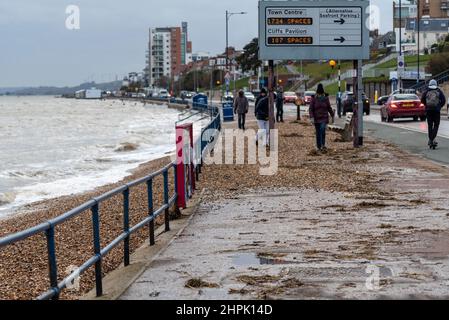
(61,147)
(7,198)
(126,147)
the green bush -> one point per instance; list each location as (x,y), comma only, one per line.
(438,63)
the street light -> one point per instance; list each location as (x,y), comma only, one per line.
(228,16)
(418,40)
(400,41)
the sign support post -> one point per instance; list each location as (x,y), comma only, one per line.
(361,102)
(355,109)
(271,94)
(358,104)
(339,90)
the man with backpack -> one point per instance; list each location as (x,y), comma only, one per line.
(263,116)
(434,100)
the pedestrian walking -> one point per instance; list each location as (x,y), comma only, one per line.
(434,100)
(262,115)
(319,111)
(241,107)
(339,105)
(280,105)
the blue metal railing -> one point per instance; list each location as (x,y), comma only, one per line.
(441,78)
(94,205)
(207,139)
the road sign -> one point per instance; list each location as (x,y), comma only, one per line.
(401,64)
(312,31)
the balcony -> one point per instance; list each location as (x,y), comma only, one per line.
(444,5)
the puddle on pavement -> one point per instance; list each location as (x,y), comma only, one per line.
(253,259)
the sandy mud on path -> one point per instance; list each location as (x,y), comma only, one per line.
(351,224)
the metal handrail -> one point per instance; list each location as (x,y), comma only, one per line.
(440,78)
(94,205)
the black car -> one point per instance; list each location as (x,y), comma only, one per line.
(347,101)
(382,100)
(256,93)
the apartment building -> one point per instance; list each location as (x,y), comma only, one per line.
(168,51)
(434,8)
(404,11)
(431,31)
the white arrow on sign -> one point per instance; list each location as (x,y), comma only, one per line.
(314,26)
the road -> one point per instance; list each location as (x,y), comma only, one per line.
(410,136)
(408,124)
(407,134)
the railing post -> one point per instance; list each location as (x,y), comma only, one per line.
(97,249)
(167,212)
(151,210)
(126,227)
(52,265)
(175,174)
(197,174)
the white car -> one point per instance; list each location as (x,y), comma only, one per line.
(228,97)
(163,94)
(250,96)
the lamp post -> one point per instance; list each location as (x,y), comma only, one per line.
(400,41)
(228,16)
(418,40)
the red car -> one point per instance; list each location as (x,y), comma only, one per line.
(403,106)
(289,97)
(308,95)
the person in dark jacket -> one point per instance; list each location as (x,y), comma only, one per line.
(434,100)
(280,105)
(319,111)
(241,107)
(262,114)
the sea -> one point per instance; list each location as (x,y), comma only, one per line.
(51,147)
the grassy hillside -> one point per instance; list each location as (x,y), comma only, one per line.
(409,61)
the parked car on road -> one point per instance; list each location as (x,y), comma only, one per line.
(308,95)
(289,97)
(163,94)
(382,100)
(403,91)
(403,106)
(256,93)
(250,96)
(227,97)
(347,100)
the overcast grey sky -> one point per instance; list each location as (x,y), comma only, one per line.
(37,49)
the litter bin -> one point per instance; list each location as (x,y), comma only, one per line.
(200,101)
(228,111)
